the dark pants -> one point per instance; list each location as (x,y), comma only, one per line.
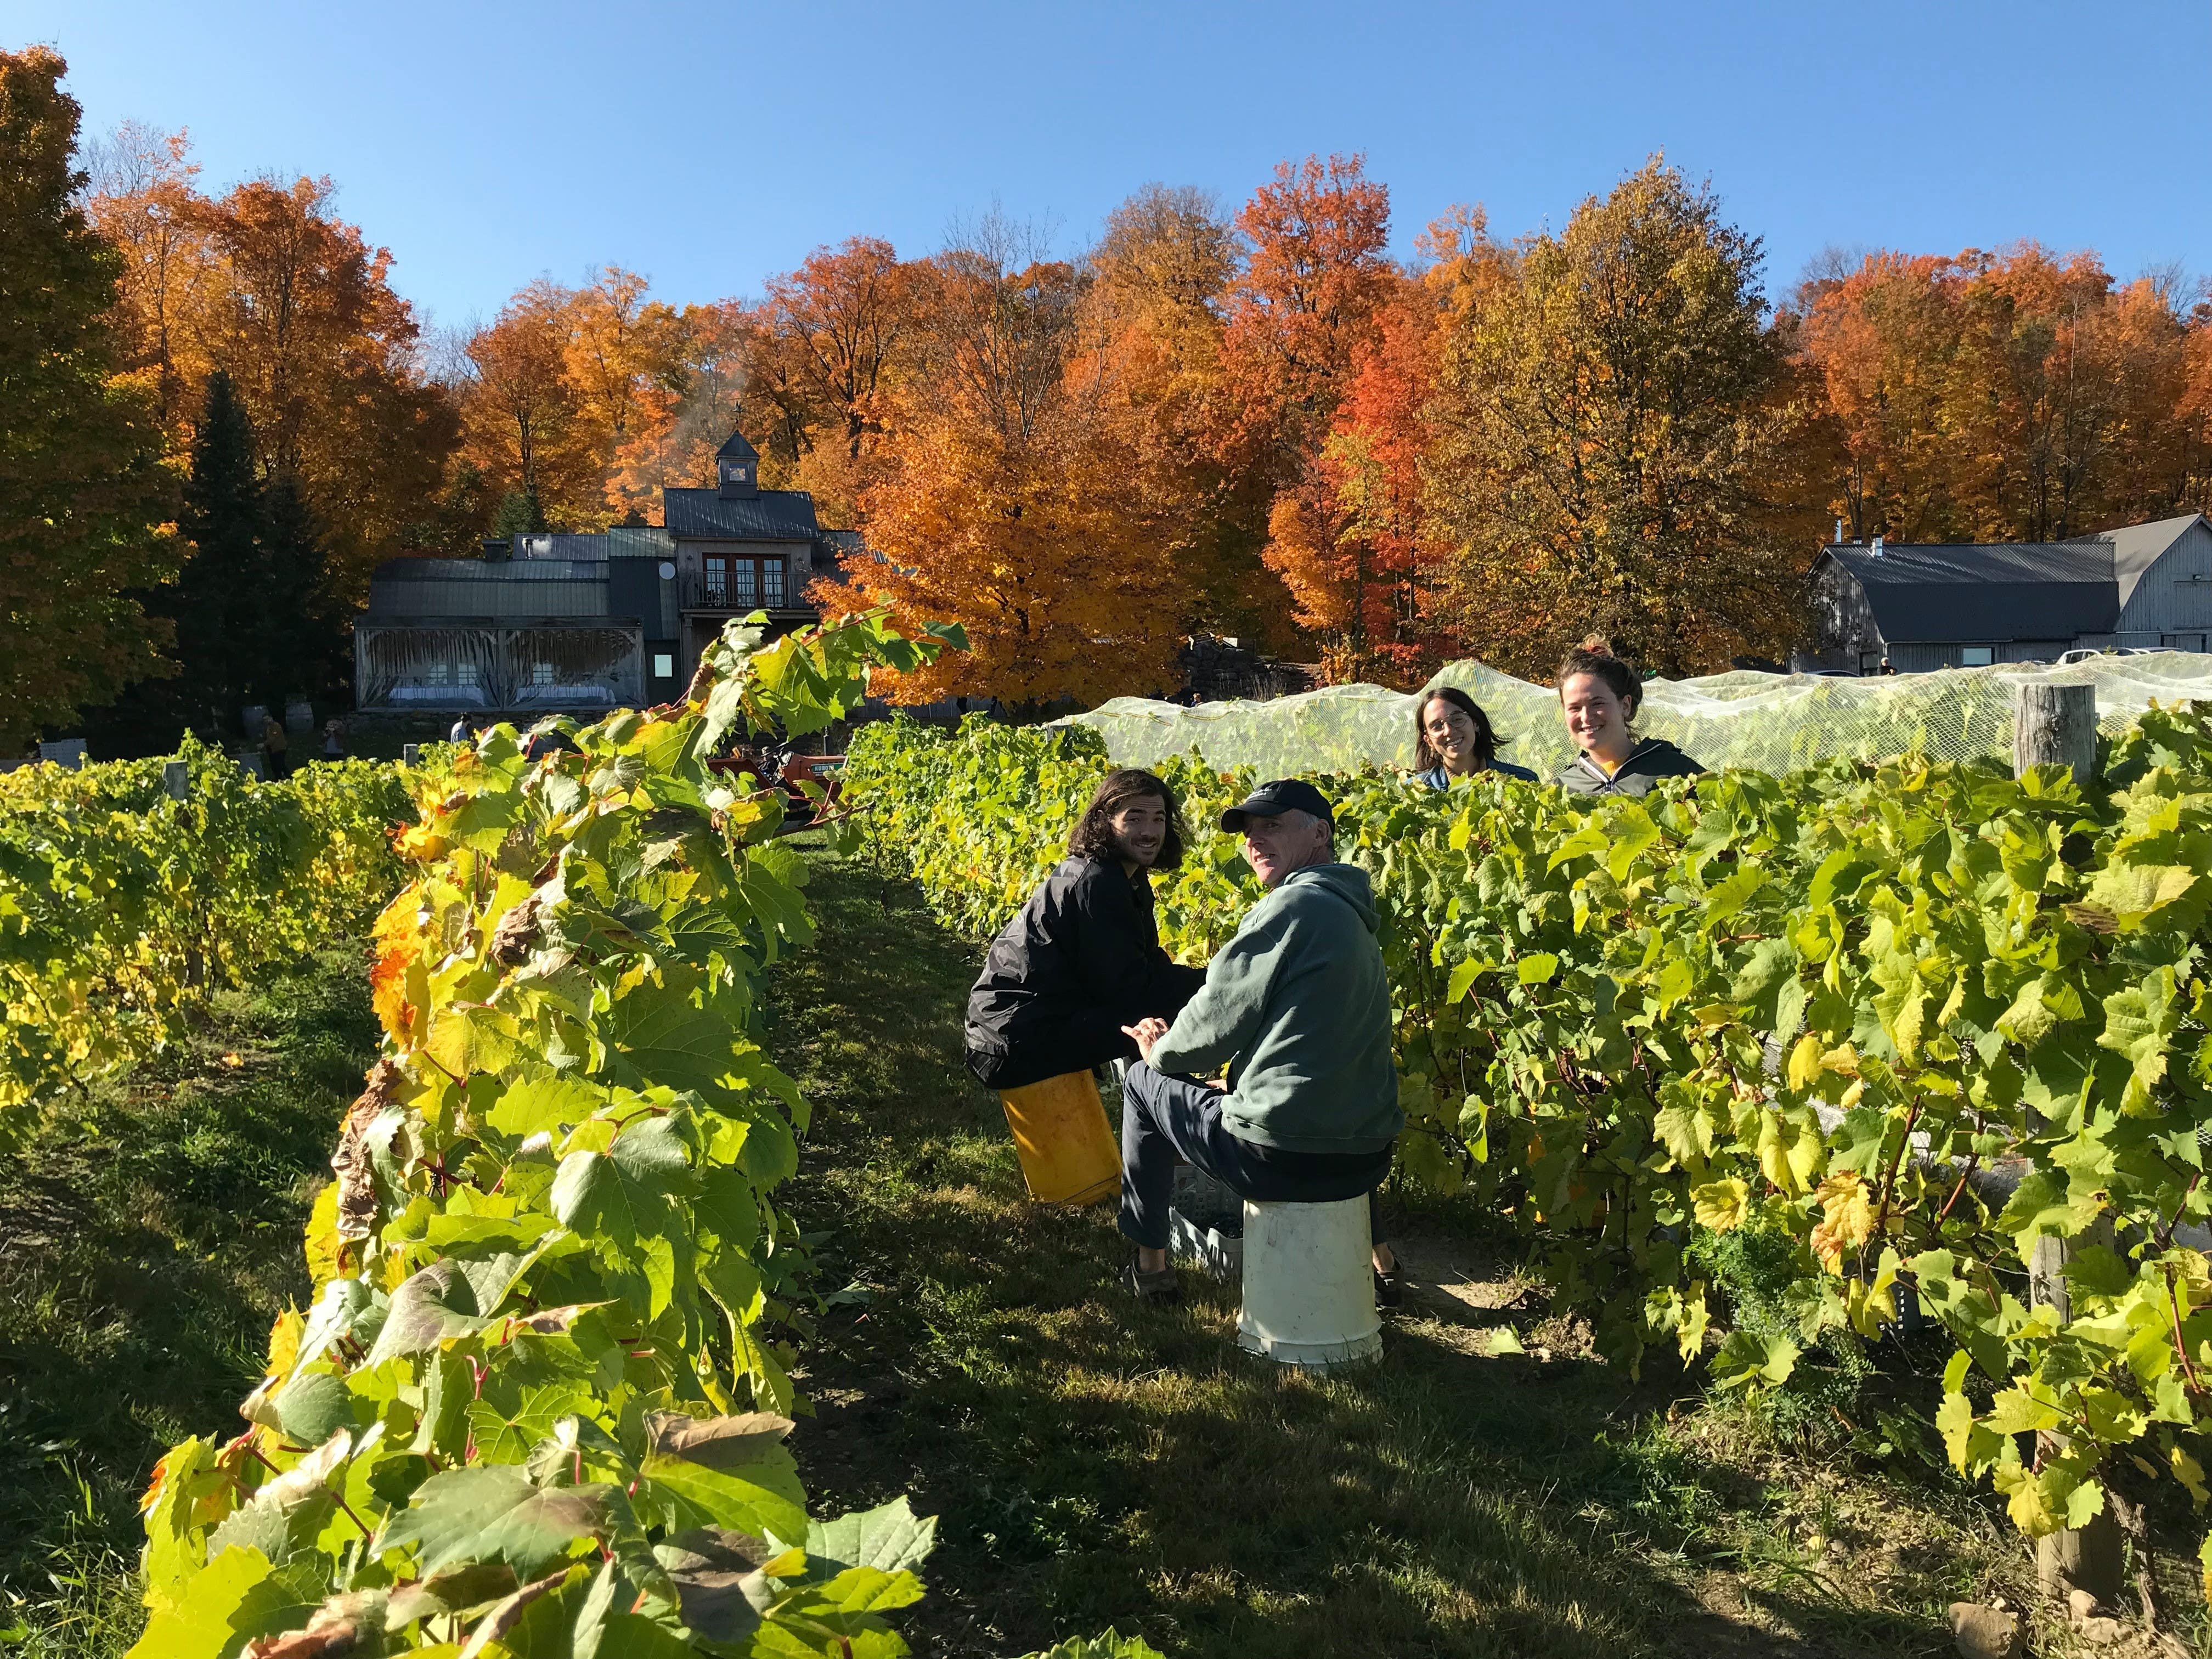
(1163,1117)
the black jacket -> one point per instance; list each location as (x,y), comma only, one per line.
(1082,960)
(1649,760)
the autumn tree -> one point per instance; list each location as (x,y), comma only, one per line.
(1317,273)
(523,417)
(1296,314)
(1353,545)
(1014,502)
(83,497)
(1606,420)
(690,406)
(267,285)
(2019,395)
(1150,332)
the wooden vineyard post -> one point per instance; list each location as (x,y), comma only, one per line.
(2057,725)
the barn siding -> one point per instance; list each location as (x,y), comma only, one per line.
(2166,600)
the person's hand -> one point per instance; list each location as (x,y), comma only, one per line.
(1146,1034)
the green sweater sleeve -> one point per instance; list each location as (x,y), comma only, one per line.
(1225,1017)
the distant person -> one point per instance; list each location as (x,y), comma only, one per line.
(1599,694)
(1296,1008)
(1886,667)
(1083,958)
(462,730)
(333,740)
(1453,738)
(275,756)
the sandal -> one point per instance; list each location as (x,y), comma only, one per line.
(1160,1289)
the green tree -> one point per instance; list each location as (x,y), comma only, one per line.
(83,497)
(520,514)
(308,649)
(1610,410)
(220,603)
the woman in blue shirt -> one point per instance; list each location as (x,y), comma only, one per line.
(1453,738)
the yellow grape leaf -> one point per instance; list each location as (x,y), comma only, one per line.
(1847,1209)
(1696,1318)
(1722,1205)
(284,1342)
(2015,1410)
(2190,1473)
(1805,1063)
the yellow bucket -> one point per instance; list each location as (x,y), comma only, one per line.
(1067,1148)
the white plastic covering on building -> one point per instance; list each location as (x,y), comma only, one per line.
(1768,722)
(492,667)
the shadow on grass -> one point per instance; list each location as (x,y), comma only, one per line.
(149,1232)
(1095,1462)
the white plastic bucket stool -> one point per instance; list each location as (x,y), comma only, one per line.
(1308,1289)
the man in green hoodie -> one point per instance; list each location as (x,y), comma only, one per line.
(1297,1008)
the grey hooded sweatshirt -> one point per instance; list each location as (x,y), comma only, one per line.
(1297,1007)
(1649,760)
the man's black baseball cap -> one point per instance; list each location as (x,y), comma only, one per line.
(1283,795)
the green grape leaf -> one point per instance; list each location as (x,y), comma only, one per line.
(889,1537)
(446,1300)
(493,1513)
(728,1471)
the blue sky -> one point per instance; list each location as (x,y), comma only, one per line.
(488,144)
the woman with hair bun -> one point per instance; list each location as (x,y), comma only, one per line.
(1453,738)
(1599,694)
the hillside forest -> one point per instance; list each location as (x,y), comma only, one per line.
(1250,420)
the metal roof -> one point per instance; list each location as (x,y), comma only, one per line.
(774,515)
(1994,591)
(560,544)
(735,448)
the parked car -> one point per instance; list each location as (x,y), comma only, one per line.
(2079,653)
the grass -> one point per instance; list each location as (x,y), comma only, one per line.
(1091,1462)
(148,1235)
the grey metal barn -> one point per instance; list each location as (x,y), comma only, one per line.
(1928,605)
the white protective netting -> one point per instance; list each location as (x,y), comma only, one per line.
(1768,722)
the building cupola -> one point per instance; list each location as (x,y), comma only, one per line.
(737,469)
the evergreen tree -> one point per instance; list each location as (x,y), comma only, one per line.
(520,514)
(82,493)
(222,602)
(307,652)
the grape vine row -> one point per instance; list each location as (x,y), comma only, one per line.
(122,910)
(1824,1009)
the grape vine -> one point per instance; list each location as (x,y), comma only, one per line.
(121,908)
(537,1406)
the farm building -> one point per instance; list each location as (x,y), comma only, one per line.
(583,624)
(1965,605)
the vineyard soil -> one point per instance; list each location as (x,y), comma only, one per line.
(1092,1461)
(148,1237)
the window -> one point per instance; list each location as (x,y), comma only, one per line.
(743,591)
(664,665)
(718,579)
(1976,656)
(772,581)
(541,673)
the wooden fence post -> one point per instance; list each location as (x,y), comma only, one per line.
(2057,725)
(176,779)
